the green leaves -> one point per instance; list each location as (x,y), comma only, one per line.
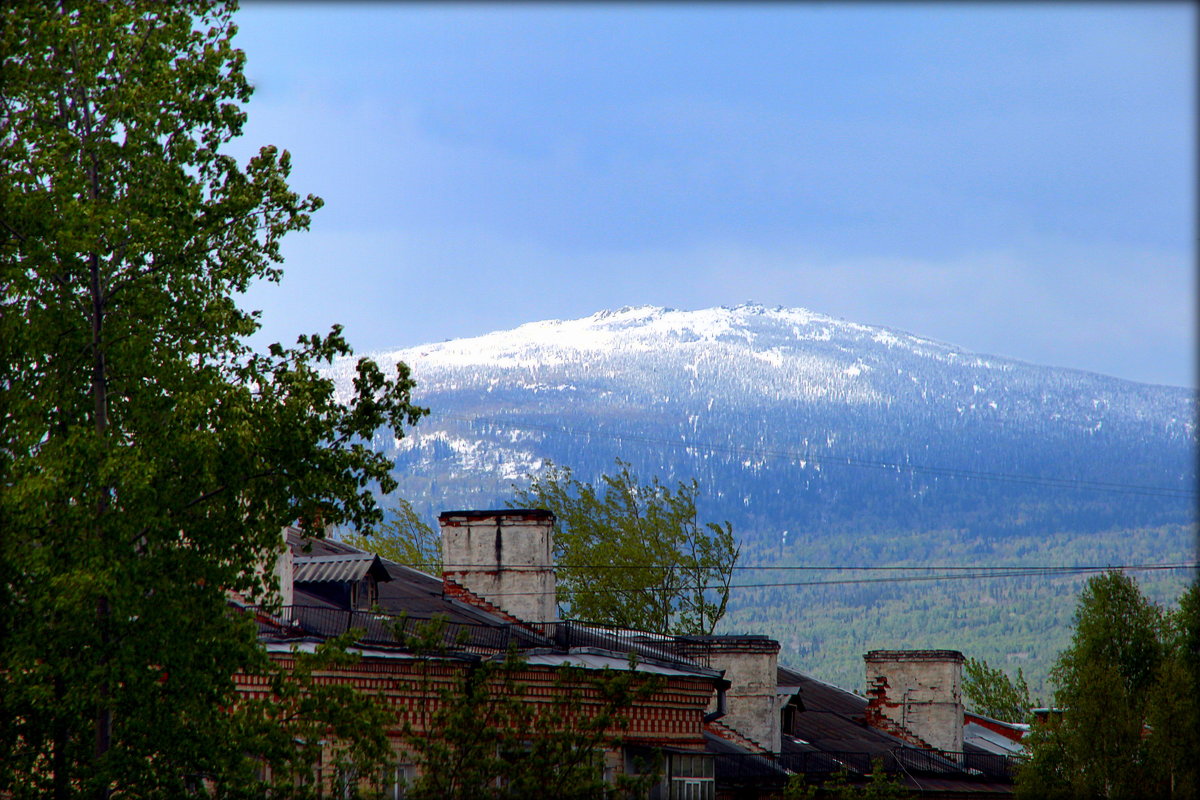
(635,555)
(307,720)
(500,728)
(1130,722)
(994,694)
(405,539)
(149,458)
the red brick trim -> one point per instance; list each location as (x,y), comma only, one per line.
(718,728)
(456,591)
(876,702)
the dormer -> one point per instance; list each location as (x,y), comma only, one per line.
(350,580)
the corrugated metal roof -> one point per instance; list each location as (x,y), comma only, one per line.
(408,591)
(990,741)
(587,658)
(343,568)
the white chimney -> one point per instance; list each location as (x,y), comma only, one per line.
(749,662)
(283,573)
(506,557)
(917,691)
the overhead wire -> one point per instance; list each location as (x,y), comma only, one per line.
(981,573)
(852,568)
(958,572)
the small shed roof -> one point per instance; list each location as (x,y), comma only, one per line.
(342,568)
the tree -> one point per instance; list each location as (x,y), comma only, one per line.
(149,457)
(405,539)
(482,734)
(1174,704)
(305,721)
(1126,689)
(992,693)
(879,785)
(634,554)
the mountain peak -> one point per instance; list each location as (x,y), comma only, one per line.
(748,328)
(814,437)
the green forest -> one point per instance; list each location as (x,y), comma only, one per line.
(1010,622)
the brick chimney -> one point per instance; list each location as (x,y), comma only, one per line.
(506,557)
(750,664)
(917,695)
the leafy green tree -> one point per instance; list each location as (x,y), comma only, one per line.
(405,539)
(483,736)
(149,457)
(879,785)
(634,554)
(1126,689)
(304,720)
(1174,705)
(992,693)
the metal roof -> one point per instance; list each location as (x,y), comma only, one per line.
(832,722)
(341,568)
(596,659)
(990,741)
(415,594)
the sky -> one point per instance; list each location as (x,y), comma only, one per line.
(1018,180)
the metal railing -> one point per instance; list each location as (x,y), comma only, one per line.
(437,633)
(572,633)
(395,630)
(910,761)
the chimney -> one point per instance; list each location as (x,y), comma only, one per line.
(917,692)
(277,563)
(506,557)
(752,704)
(283,574)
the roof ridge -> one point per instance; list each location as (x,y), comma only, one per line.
(364,556)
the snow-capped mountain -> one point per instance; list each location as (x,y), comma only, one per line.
(792,420)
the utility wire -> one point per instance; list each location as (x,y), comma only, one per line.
(836,460)
(1032,572)
(850,568)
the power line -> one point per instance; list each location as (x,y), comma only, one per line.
(982,575)
(837,460)
(853,568)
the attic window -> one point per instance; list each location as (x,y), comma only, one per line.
(364,593)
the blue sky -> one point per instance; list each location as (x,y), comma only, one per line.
(1015,179)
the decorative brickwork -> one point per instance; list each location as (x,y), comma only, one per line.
(672,715)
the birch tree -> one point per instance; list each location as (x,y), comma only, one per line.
(635,554)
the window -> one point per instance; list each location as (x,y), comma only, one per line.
(692,777)
(396,785)
(345,784)
(364,594)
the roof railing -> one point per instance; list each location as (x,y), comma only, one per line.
(378,628)
(901,760)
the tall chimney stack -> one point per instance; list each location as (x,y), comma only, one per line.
(750,665)
(920,691)
(506,557)
(283,573)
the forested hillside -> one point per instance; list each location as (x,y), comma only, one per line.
(827,443)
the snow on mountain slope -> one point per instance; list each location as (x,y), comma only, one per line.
(792,417)
(826,442)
